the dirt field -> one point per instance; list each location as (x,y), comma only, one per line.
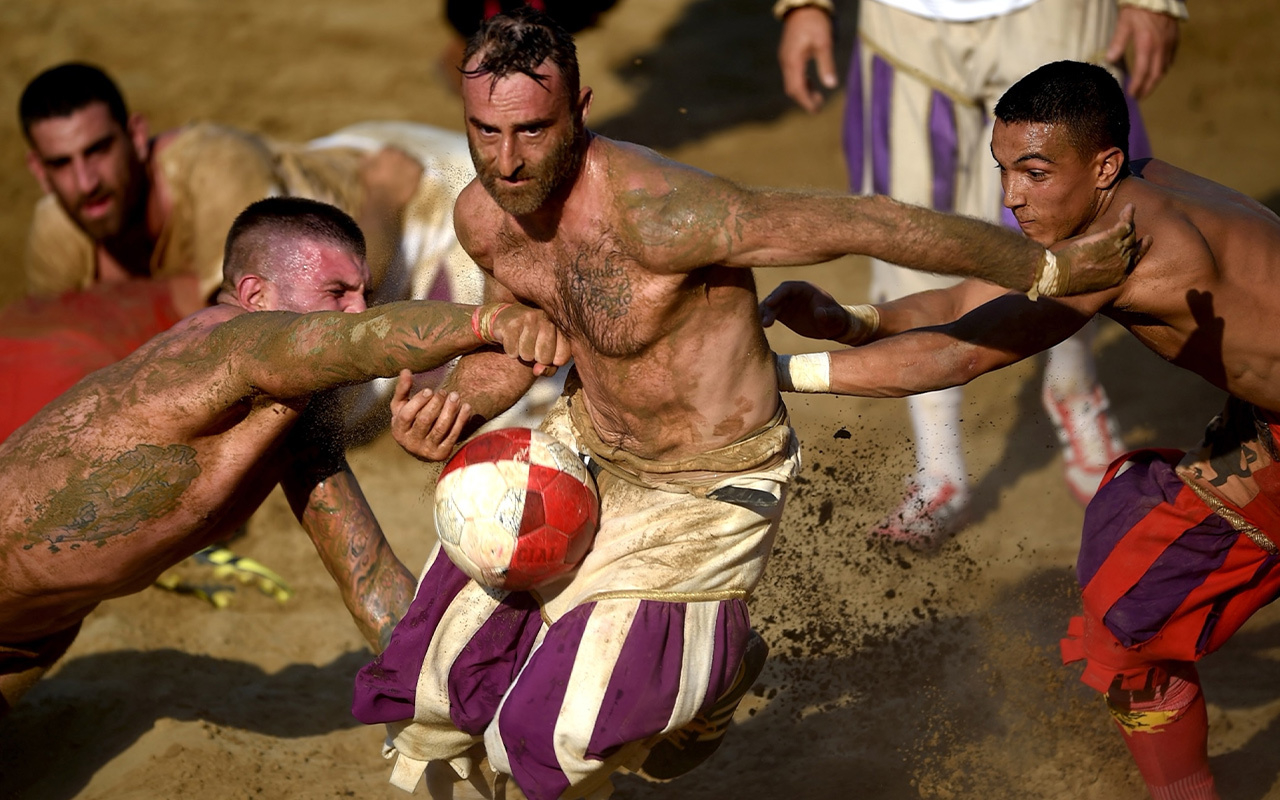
(892,675)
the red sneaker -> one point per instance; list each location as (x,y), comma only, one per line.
(923,520)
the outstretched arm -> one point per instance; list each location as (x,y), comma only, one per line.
(689,220)
(286,355)
(812,312)
(995,334)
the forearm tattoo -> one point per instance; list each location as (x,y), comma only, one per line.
(375,585)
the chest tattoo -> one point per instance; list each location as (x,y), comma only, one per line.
(114,498)
(600,285)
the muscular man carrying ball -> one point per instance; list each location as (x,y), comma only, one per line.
(638,659)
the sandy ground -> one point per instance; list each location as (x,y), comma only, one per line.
(892,675)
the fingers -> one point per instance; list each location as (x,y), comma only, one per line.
(537,342)
(1126,214)
(777,299)
(1119,40)
(1143,246)
(825,61)
(768,315)
(404,385)
(429,424)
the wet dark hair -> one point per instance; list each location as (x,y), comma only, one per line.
(518,41)
(65,89)
(259,232)
(466,16)
(1084,99)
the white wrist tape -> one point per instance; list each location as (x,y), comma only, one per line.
(807,372)
(1049,282)
(865,323)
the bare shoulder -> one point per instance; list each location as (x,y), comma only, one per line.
(677,212)
(642,172)
(476,219)
(1196,188)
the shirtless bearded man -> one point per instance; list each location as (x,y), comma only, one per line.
(1178,548)
(644,264)
(147,461)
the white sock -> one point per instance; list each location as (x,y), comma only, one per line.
(1070,368)
(935,420)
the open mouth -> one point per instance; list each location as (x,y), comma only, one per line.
(96,207)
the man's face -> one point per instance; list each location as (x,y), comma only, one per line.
(317,277)
(526,139)
(1051,188)
(93,166)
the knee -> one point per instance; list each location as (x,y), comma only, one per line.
(1148,709)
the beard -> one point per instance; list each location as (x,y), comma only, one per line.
(128,207)
(542,179)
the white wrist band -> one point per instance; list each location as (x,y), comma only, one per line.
(1049,281)
(869,318)
(807,372)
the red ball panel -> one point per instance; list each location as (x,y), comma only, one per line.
(504,444)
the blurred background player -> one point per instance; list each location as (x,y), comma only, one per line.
(923,81)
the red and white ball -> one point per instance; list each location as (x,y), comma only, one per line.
(516,508)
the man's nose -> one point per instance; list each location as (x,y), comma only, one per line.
(510,160)
(87,179)
(355,304)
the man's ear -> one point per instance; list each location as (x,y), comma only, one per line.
(584,104)
(253,292)
(36,166)
(140,134)
(1109,164)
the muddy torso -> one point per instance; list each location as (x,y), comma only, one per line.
(673,361)
(138,466)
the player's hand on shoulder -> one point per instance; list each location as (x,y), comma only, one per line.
(426,423)
(529,335)
(810,312)
(1100,260)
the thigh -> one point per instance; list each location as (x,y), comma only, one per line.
(608,676)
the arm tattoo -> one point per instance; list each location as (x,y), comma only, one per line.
(375,586)
(113,499)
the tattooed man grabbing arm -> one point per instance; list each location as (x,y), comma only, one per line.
(639,657)
(143,463)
